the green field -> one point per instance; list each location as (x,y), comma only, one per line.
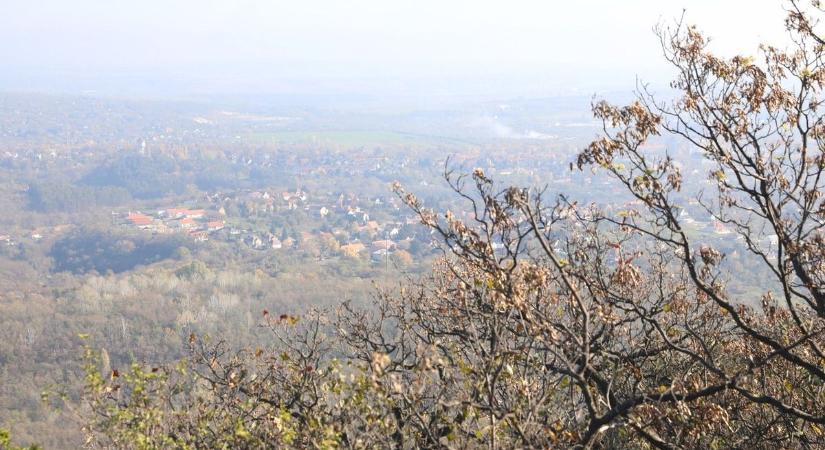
(340,137)
(356,138)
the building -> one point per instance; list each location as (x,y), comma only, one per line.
(139,220)
(215,225)
(385,245)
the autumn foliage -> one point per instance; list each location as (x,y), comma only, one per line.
(552,324)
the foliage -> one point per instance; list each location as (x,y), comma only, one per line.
(87,249)
(66,197)
(551,324)
(141,176)
(5,442)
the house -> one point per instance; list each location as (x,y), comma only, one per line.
(177,213)
(275,243)
(199,235)
(254,242)
(720,228)
(139,220)
(187,223)
(215,225)
(382,245)
(380,255)
(194,213)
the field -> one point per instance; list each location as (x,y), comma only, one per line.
(351,138)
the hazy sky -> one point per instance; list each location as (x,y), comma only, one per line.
(212,46)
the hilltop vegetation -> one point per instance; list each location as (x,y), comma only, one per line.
(490,276)
(549,323)
(86,250)
(142,177)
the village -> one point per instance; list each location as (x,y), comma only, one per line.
(324,226)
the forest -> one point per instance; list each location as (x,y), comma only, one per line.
(200,279)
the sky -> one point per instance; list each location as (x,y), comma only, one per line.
(383,47)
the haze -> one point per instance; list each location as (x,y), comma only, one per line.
(365,46)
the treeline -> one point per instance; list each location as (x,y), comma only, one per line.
(136,177)
(144,314)
(147,177)
(67,197)
(142,177)
(88,250)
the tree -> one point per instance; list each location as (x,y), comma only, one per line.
(403,258)
(329,244)
(552,324)
(5,442)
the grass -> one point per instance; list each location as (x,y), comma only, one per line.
(348,138)
(354,138)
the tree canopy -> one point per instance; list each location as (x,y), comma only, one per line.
(549,323)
